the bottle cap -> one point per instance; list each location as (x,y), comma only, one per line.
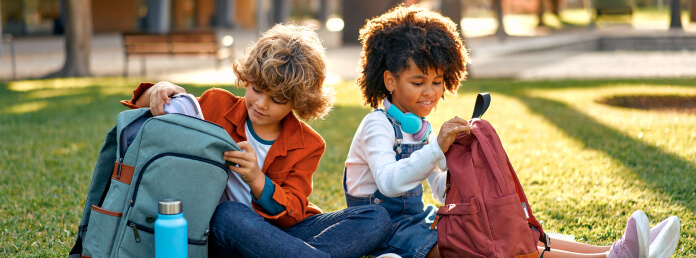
(169,206)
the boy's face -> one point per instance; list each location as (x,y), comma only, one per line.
(415,91)
(264,110)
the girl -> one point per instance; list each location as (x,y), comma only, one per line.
(265,211)
(410,58)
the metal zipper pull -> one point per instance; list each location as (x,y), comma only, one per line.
(118,172)
(446,189)
(135,232)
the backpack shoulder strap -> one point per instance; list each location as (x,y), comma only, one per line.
(483,100)
(100,179)
(533,222)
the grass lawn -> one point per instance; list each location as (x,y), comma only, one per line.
(585,166)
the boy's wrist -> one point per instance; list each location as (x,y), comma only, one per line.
(257,184)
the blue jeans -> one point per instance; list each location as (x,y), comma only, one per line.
(238,231)
(410,219)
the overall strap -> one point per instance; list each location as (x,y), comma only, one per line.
(395,124)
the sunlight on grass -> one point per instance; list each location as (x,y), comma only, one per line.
(522,24)
(25,107)
(63,83)
(348,94)
(669,131)
(51,93)
(585,166)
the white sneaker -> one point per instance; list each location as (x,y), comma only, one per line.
(664,238)
(635,241)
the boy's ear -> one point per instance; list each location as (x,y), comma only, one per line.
(389,80)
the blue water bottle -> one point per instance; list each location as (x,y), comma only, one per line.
(171,236)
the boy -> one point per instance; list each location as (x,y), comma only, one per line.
(265,209)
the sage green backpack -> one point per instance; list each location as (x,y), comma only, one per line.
(145,159)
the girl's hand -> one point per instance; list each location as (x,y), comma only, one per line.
(160,94)
(248,168)
(450,130)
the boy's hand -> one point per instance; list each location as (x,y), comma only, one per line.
(160,94)
(450,130)
(248,168)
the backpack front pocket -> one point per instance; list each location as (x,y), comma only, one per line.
(101,231)
(507,218)
(191,179)
(463,226)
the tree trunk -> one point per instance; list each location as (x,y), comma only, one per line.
(1,38)
(675,13)
(281,11)
(498,9)
(356,12)
(591,13)
(224,11)
(693,11)
(556,8)
(78,36)
(323,13)
(540,14)
(452,9)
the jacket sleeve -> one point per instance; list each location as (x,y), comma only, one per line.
(293,192)
(142,87)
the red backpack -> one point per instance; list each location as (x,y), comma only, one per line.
(486,213)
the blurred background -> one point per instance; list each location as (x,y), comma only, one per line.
(505,36)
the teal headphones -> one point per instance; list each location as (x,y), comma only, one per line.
(410,123)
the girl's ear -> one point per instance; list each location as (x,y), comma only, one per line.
(389,80)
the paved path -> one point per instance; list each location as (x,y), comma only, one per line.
(540,57)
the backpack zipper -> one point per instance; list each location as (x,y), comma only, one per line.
(135,231)
(136,227)
(118,172)
(180,155)
(446,189)
(211,123)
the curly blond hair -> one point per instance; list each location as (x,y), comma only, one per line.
(288,61)
(409,33)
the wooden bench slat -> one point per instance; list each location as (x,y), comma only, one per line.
(196,43)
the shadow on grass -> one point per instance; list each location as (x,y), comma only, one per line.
(662,171)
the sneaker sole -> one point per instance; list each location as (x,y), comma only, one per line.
(667,240)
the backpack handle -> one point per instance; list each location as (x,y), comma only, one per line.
(483,100)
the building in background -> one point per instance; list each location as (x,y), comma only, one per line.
(43,17)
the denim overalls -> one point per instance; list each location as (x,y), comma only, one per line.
(411,233)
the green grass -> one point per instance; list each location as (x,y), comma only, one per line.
(584,166)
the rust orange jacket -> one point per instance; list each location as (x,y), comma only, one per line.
(290,163)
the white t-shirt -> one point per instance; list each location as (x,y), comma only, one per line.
(372,165)
(236,189)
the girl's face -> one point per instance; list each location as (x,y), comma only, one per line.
(265,112)
(415,91)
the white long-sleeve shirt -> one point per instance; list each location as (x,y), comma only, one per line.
(372,165)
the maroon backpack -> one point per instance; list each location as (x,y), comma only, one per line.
(486,213)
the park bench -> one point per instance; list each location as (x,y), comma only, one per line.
(195,43)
